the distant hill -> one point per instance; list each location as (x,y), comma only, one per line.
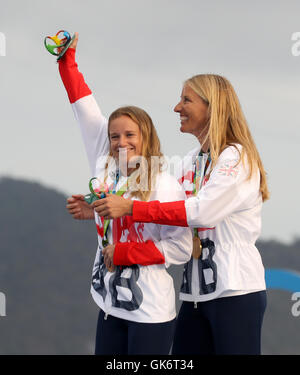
(45,267)
(46,259)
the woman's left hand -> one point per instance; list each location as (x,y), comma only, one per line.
(113,206)
(108,253)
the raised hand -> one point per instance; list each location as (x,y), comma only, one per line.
(73,44)
(75,41)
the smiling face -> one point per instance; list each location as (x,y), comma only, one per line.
(193,112)
(124,133)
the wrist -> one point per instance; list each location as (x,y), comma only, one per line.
(129,207)
(68,58)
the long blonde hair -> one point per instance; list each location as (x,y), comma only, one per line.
(227,125)
(150,147)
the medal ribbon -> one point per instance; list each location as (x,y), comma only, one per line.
(199,175)
(120,192)
(199,172)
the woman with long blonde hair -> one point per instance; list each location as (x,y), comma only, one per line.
(223,288)
(136,296)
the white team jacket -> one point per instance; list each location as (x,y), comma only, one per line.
(136,293)
(227,213)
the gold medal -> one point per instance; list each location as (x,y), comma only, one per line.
(197,247)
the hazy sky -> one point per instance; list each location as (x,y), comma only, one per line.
(139,52)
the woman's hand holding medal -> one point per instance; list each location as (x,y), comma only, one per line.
(78,208)
(113,206)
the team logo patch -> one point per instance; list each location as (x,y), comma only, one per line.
(227,169)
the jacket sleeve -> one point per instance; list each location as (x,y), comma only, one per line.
(175,247)
(92,123)
(145,254)
(174,244)
(168,213)
(227,191)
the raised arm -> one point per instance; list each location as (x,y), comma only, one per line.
(93,124)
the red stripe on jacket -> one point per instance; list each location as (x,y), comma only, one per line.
(168,213)
(72,79)
(128,253)
(143,253)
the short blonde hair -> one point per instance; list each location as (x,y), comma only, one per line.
(227,123)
